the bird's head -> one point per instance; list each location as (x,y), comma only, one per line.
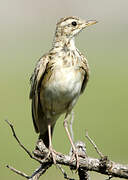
(70,26)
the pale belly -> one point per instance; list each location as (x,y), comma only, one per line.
(61,91)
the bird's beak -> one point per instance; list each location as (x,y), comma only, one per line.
(90,22)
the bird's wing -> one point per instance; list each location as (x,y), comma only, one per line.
(35,81)
(85,69)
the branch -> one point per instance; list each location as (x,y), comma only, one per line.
(96,148)
(64,173)
(21,145)
(81,148)
(17,171)
(102,165)
(36,174)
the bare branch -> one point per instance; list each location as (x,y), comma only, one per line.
(64,173)
(92,142)
(35,176)
(105,167)
(21,145)
(18,172)
(102,166)
(40,171)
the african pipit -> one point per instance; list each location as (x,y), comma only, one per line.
(60,76)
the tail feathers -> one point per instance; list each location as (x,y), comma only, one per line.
(45,137)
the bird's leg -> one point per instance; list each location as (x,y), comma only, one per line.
(50,144)
(70,139)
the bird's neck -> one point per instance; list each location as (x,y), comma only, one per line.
(64,43)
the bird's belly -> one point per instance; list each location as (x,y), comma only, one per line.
(62,88)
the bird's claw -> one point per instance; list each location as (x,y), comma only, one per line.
(52,152)
(76,156)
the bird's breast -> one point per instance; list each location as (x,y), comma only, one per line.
(61,87)
(64,82)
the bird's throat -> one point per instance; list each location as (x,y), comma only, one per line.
(65,43)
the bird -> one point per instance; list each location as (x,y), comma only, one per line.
(59,78)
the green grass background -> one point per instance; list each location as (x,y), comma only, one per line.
(25,35)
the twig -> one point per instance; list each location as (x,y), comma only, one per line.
(96,148)
(35,176)
(39,171)
(18,172)
(64,173)
(21,145)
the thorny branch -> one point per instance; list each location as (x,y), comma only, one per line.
(102,165)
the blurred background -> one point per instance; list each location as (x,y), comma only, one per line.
(26,33)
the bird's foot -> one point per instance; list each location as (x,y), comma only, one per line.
(75,156)
(53,153)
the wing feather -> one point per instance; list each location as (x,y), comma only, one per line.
(85,68)
(34,91)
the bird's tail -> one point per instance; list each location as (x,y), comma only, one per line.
(40,122)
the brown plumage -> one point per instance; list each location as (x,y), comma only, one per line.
(60,76)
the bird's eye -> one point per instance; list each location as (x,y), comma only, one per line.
(74,23)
